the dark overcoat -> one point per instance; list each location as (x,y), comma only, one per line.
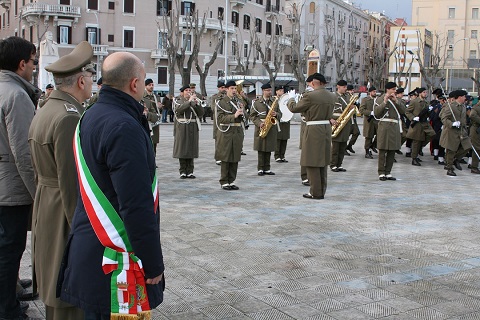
(186,135)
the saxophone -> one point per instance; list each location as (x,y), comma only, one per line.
(270,120)
(346,115)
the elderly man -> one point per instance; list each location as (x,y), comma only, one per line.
(50,138)
(18,98)
(116,167)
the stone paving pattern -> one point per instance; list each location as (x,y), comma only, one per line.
(397,250)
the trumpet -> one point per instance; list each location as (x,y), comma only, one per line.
(199,101)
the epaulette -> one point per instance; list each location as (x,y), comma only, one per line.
(71,108)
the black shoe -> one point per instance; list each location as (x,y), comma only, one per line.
(183,176)
(346,153)
(25,283)
(226,187)
(261,172)
(334,169)
(374,149)
(349,148)
(278,160)
(341,169)
(309,196)
(419,160)
(382,178)
(469,166)
(26,295)
(243,153)
(451,173)
(435,157)
(408,154)
(234,187)
(415,162)
(284,160)
(456,163)
(398,152)
(368,155)
(441,163)
(462,161)
(268,172)
(389,177)
(190,176)
(306,183)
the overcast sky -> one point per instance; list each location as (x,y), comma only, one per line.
(392,8)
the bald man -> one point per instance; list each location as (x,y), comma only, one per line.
(117,160)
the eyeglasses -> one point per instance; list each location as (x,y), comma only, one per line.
(35,61)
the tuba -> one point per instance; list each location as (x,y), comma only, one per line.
(346,115)
(270,120)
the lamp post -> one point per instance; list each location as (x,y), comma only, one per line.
(226,39)
(451,64)
(97,40)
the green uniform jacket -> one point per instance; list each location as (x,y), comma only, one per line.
(259,111)
(316,139)
(153,115)
(388,134)
(340,104)
(284,133)
(51,143)
(418,132)
(213,105)
(366,108)
(229,137)
(452,137)
(475,124)
(186,136)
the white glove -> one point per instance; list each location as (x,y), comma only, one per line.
(430,108)
(456,124)
(371,113)
(416,119)
(291,94)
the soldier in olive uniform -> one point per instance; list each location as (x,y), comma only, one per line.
(266,145)
(214,99)
(475,136)
(94,98)
(389,134)
(317,108)
(454,136)
(370,124)
(403,104)
(420,130)
(354,130)
(152,112)
(303,170)
(188,114)
(230,136)
(339,143)
(44,97)
(283,135)
(50,137)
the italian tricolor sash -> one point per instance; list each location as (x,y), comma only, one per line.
(128,294)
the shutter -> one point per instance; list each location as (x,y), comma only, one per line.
(69,35)
(99,39)
(58,34)
(86,34)
(182,9)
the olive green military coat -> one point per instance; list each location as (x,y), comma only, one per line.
(418,131)
(389,136)
(316,139)
(213,105)
(366,108)
(186,135)
(452,137)
(475,124)
(284,133)
(257,114)
(51,143)
(340,105)
(153,115)
(229,137)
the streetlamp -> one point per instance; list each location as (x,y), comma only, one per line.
(226,39)
(451,64)
(97,40)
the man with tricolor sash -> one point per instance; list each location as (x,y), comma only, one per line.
(113,264)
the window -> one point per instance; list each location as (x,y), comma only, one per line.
(111,5)
(235,18)
(111,38)
(163,7)
(187,42)
(92,35)
(473,34)
(449,54)
(64,35)
(258,25)
(450,36)
(475,13)
(220,73)
(451,13)
(234,48)
(268,54)
(220,13)
(259,1)
(92,4)
(220,51)
(187,8)
(66,2)
(245,50)
(473,54)
(128,6)
(246,22)
(268,28)
(162,75)
(128,35)
(312,7)
(162,40)
(278,30)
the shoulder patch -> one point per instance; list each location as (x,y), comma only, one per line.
(71,108)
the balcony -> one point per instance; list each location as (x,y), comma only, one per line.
(285,41)
(351,28)
(357,47)
(159,54)
(291,16)
(238,3)
(356,65)
(328,17)
(232,60)
(6,4)
(56,10)
(341,23)
(365,34)
(100,50)
(271,10)
(210,24)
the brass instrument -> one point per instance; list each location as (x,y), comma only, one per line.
(241,102)
(270,120)
(345,117)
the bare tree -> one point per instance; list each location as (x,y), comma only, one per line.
(243,65)
(431,60)
(298,57)
(191,22)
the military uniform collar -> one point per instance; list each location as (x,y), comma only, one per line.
(62,95)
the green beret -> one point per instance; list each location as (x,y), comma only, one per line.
(80,59)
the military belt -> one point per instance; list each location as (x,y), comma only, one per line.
(234,124)
(389,120)
(183,119)
(336,114)
(312,123)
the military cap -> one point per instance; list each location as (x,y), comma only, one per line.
(266,86)
(413,92)
(341,83)
(99,81)
(390,85)
(400,90)
(469,97)
(319,77)
(278,88)
(49,86)
(420,90)
(371,88)
(220,84)
(437,92)
(80,59)
(349,87)
(183,88)
(192,85)
(309,78)
(230,83)
(441,98)
(148,81)
(452,94)
(459,93)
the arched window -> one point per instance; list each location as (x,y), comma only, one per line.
(312,7)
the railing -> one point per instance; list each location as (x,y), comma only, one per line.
(284,40)
(238,2)
(328,17)
(100,50)
(51,9)
(271,8)
(158,53)
(210,23)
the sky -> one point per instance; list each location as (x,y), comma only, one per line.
(392,8)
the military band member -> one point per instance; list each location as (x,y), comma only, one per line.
(283,135)
(403,104)
(50,137)
(317,108)
(435,107)
(44,97)
(475,136)
(206,108)
(412,95)
(303,170)
(230,136)
(214,99)
(454,136)
(389,134)
(370,124)
(152,112)
(420,130)
(264,146)
(354,131)
(94,98)
(339,143)
(188,113)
